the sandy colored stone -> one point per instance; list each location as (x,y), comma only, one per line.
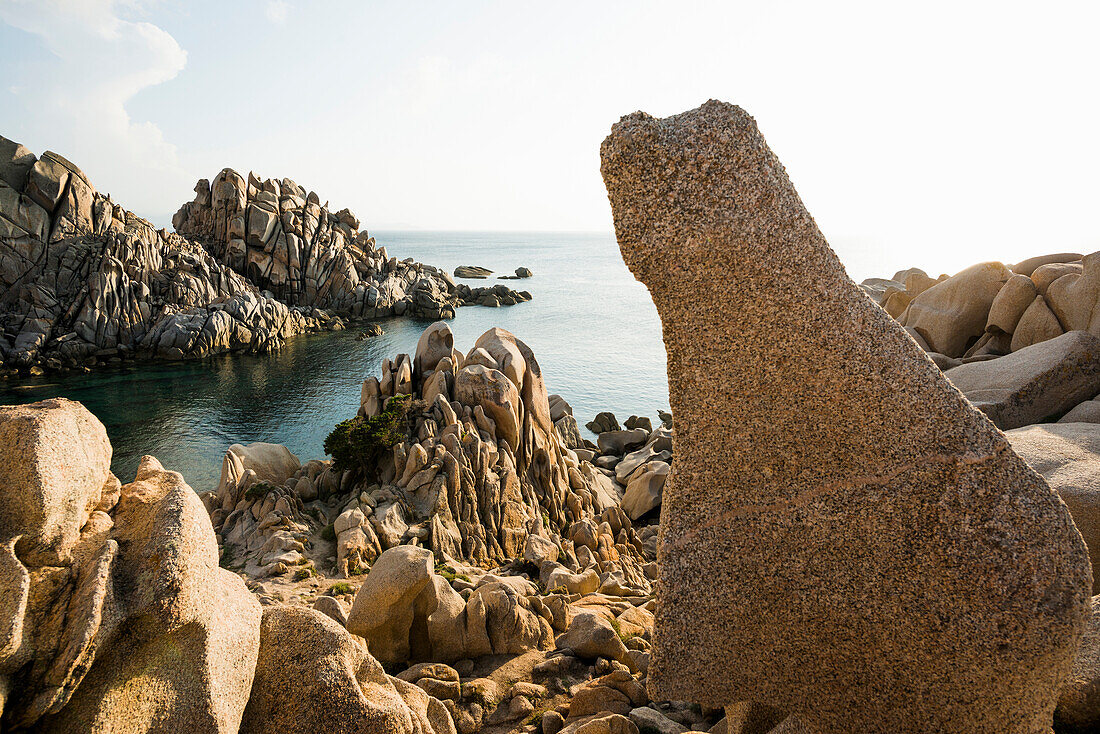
(382,612)
(1045,275)
(952,314)
(435,343)
(1034,384)
(843,536)
(591,636)
(1012,300)
(643,493)
(1037,324)
(1078,709)
(54,460)
(1074,297)
(1068,457)
(184,656)
(1027,267)
(314,676)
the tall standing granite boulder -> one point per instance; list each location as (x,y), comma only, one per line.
(843,535)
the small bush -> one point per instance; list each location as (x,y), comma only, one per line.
(450,575)
(340,588)
(617,626)
(226,559)
(360,443)
(329,532)
(258,490)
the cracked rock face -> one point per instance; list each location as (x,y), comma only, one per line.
(255,262)
(843,535)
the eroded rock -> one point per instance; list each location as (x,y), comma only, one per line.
(785,581)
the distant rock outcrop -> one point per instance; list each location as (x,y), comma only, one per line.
(843,536)
(85,282)
(283,239)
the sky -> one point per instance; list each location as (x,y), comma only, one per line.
(932,134)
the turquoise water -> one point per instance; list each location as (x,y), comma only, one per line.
(593,329)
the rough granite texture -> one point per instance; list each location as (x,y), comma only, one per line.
(843,536)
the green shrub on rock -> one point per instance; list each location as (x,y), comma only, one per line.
(360,443)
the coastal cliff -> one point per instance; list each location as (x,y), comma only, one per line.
(84,282)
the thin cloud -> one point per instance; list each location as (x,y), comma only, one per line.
(75,101)
(277,11)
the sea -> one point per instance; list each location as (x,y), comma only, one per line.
(592,327)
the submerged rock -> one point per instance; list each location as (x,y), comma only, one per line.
(871,556)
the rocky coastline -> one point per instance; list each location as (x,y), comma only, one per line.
(253,262)
(871,509)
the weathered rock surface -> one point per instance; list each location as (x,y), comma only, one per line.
(314,676)
(1042,298)
(952,314)
(54,462)
(1068,457)
(383,610)
(1078,709)
(84,282)
(1034,384)
(121,620)
(841,579)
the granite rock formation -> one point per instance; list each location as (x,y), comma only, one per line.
(990,310)
(135,622)
(283,239)
(880,560)
(84,282)
(481,470)
(116,617)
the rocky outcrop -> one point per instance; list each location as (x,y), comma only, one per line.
(952,314)
(283,239)
(314,676)
(920,518)
(1034,384)
(130,624)
(84,282)
(116,617)
(1029,303)
(481,468)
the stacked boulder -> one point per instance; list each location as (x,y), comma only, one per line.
(1021,341)
(990,309)
(116,616)
(283,239)
(482,477)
